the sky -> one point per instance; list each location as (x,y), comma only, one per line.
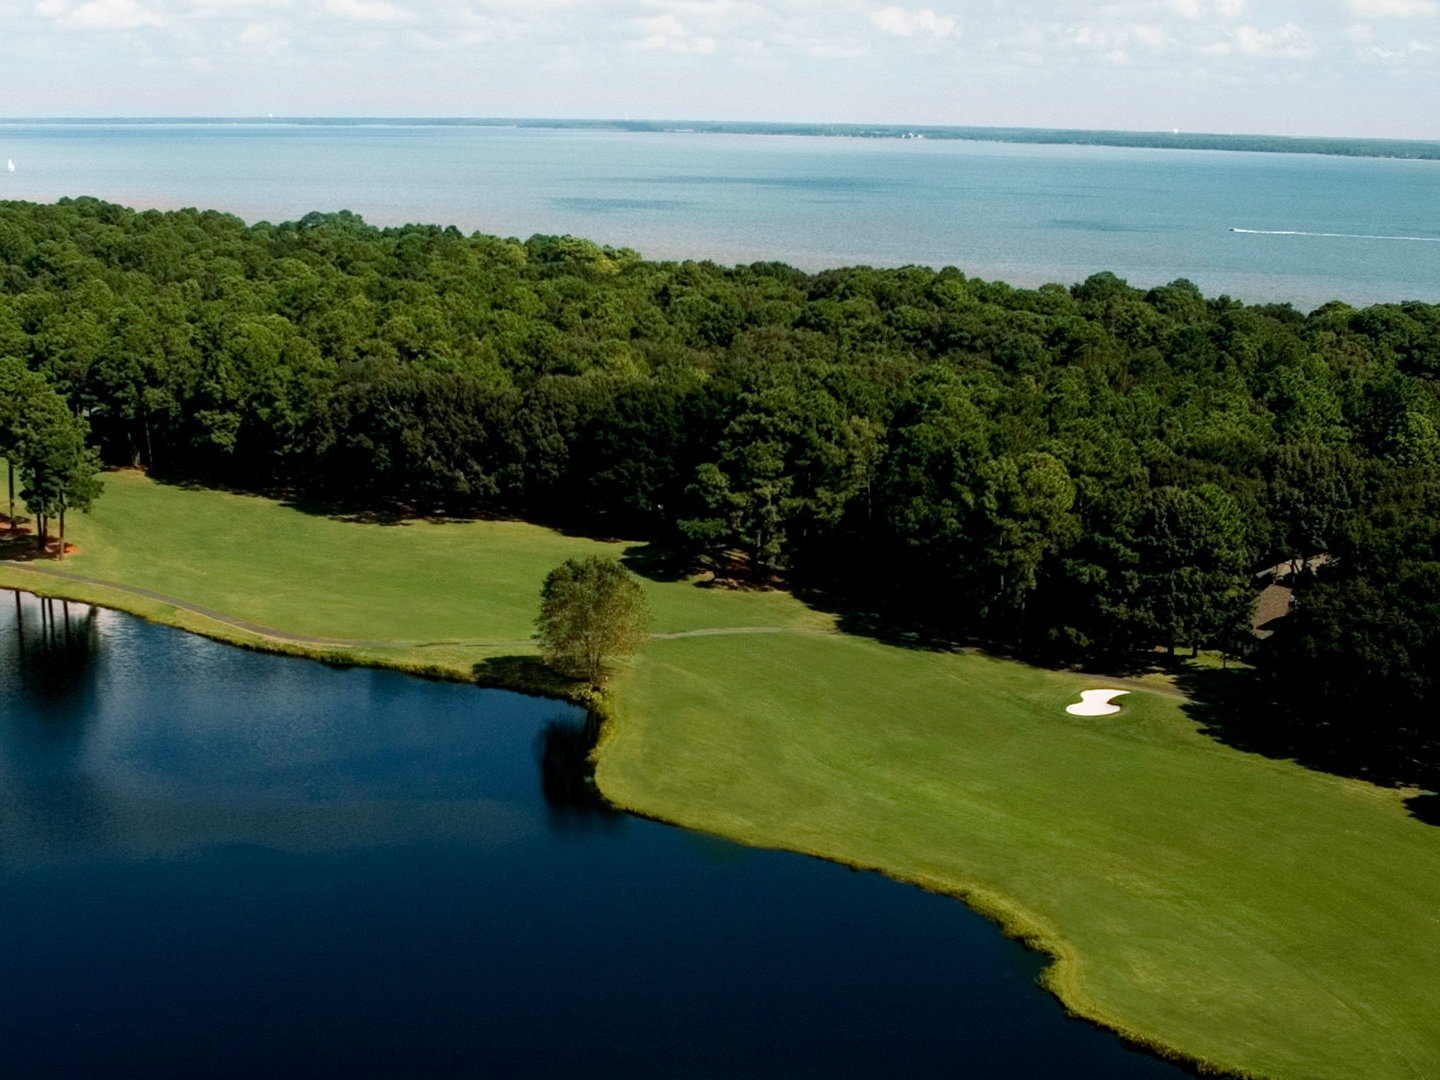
(1323,67)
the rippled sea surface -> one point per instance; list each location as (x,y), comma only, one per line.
(1320,228)
(218,863)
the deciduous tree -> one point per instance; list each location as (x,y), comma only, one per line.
(592,613)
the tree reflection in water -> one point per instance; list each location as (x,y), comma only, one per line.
(50,645)
(567,773)
(48,664)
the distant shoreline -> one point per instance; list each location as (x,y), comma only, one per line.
(1414,149)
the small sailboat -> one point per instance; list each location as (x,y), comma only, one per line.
(9,164)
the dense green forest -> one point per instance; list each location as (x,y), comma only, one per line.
(1080,474)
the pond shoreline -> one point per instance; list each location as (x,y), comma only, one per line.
(1059,978)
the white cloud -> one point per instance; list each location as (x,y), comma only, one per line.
(1398,56)
(1393,9)
(1114,43)
(1195,9)
(905,23)
(1225,64)
(668,33)
(1149,35)
(264,36)
(99,14)
(1287,42)
(372,11)
(221,8)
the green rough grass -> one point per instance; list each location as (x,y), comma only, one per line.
(258,560)
(1256,915)
(1244,912)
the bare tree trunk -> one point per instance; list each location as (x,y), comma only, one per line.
(62,532)
(10,521)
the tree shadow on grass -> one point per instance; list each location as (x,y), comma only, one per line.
(354,514)
(1424,808)
(1223,704)
(659,562)
(662,562)
(525,675)
(868,619)
(360,511)
(1236,708)
(18,544)
(670,563)
(384,511)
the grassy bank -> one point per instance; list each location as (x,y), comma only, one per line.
(1242,911)
(1254,914)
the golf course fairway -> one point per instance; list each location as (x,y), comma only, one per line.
(1247,914)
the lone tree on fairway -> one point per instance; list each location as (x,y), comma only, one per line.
(592,611)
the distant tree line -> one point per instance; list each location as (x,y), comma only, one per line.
(1081,473)
(1169,140)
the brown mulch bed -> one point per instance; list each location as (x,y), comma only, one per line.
(18,545)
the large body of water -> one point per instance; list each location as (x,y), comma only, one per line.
(1319,228)
(218,863)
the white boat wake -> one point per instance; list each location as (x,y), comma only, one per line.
(1335,235)
(1095,703)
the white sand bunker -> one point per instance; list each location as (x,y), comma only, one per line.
(1095,703)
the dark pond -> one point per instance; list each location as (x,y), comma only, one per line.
(217,863)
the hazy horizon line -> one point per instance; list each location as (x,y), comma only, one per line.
(1173,139)
(668,122)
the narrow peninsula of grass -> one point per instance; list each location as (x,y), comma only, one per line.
(1242,912)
